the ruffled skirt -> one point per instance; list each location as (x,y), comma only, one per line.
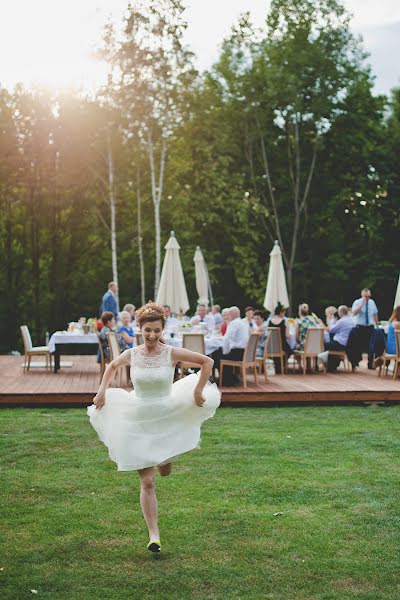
(143,432)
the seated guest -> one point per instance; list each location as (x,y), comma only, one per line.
(304,321)
(331,313)
(216,313)
(235,341)
(249,318)
(181,316)
(339,330)
(171,322)
(225,320)
(394,325)
(130,308)
(260,323)
(126,329)
(280,321)
(108,320)
(205,317)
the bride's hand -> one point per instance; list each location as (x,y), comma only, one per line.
(99,400)
(199,398)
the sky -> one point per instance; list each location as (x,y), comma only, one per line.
(51,41)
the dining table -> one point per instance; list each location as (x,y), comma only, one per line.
(72,343)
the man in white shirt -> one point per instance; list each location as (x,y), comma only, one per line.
(235,341)
(205,317)
(249,319)
(216,313)
(365,314)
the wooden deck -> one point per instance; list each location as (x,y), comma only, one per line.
(76,386)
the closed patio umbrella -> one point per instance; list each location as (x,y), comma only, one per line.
(202,280)
(172,290)
(397,297)
(276,291)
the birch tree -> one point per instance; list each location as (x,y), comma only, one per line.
(151,64)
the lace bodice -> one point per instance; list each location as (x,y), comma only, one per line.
(152,376)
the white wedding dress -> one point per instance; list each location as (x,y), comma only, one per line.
(156,422)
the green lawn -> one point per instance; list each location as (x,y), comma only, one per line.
(72,526)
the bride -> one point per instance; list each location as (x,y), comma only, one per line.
(159,420)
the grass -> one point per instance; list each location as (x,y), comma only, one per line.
(72,527)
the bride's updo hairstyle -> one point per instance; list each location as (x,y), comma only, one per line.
(150,312)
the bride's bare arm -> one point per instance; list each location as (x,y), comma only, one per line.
(109,374)
(204,362)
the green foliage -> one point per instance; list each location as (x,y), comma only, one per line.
(282,139)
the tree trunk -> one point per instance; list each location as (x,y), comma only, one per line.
(111,195)
(140,240)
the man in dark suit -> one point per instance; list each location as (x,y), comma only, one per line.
(109,301)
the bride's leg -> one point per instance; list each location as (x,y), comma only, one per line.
(148,501)
(164,469)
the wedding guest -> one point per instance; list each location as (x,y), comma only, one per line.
(339,330)
(109,325)
(226,319)
(126,329)
(249,318)
(131,309)
(205,317)
(280,321)
(109,301)
(260,323)
(216,313)
(394,325)
(235,341)
(331,313)
(304,321)
(365,314)
(171,322)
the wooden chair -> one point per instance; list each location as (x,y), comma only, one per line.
(262,360)
(273,347)
(103,361)
(313,345)
(115,351)
(194,342)
(139,339)
(342,354)
(249,360)
(386,360)
(33,350)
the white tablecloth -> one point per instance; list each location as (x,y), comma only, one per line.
(211,344)
(71,338)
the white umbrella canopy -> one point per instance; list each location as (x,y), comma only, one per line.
(202,280)
(397,297)
(276,291)
(172,289)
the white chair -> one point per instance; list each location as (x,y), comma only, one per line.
(194,342)
(313,345)
(262,360)
(249,360)
(397,359)
(33,350)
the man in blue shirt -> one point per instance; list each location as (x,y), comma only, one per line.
(365,314)
(109,301)
(339,330)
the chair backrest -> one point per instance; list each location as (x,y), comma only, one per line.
(273,344)
(251,348)
(115,348)
(139,339)
(194,342)
(26,338)
(397,337)
(314,342)
(102,359)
